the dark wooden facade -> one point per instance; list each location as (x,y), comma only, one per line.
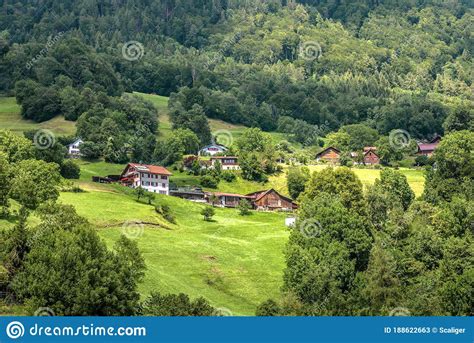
(271,200)
(330,154)
(371,157)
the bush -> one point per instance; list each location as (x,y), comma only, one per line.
(244,207)
(268,308)
(176,305)
(208,212)
(422,160)
(165,211)
(228,176)
(406,163)
(70,170)
(209,181)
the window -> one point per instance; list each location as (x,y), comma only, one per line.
(164,177)
(162,192)
(163,185)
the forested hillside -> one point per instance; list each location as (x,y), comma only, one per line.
(391,65)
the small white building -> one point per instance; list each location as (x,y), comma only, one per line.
(212,150)
(152,178)
(73,148)
(227,162)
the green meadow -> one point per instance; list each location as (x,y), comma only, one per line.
(236,262)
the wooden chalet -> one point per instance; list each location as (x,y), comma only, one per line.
(271,200)
(329,154)
(370,156)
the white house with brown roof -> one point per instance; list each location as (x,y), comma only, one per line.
(154,179)
(227,162)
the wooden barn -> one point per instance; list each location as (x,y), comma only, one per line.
(370,156)
(271,200)
(330,154)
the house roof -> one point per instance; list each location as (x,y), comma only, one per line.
(370,151)
(77,140)
(219,194)
(327,149)
(149,168)
(260,194)
(223,157)
(214,145)
(427,146)
(436,139)
(368,148)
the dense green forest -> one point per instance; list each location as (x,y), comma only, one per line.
(390,65)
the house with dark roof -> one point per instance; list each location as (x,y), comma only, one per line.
(150,177)
(330,154)
(227,199)
(428,149)
(195,194)
(213,149)
(227,162)
(271,200)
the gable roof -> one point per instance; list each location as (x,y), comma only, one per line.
(371,151)
(219,194)
(427,146)
(328,149)
(260,194)
(223,147)
(77,140)
(148,168)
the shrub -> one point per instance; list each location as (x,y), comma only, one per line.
(228,176)
(209,181)
(176,305)
(208,212)
(244,207)
(165,211)
(70,170)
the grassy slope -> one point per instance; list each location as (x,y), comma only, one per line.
(11,119)
(235,262)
